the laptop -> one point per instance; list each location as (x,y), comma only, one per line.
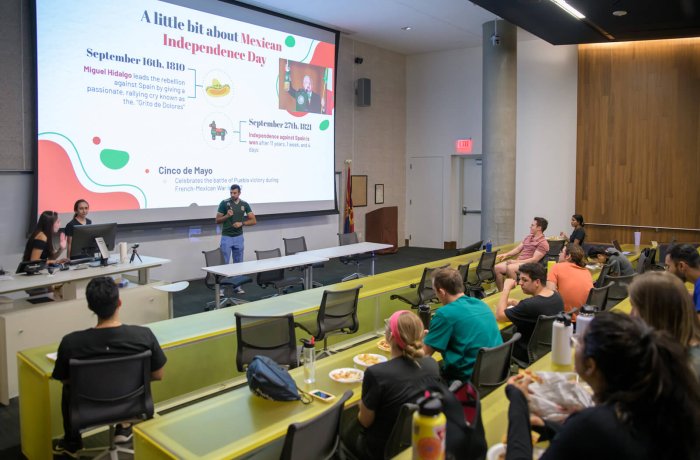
(617,246)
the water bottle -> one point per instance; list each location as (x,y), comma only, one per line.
(429,423)
(489,246)
(309,359)
(561,340)
(424,315)
(583,319)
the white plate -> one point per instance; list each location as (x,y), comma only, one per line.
(358,359)
(354,375)
(384,345)
(500,448)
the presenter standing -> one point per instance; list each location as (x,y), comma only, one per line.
(234,214)
(81,208)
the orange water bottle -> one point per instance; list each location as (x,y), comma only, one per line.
(429,424)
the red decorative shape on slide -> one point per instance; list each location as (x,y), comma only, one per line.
(324,55)
(96,140)
(59,187)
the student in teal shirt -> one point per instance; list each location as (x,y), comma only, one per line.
(458,329)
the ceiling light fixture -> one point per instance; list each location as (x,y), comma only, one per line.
(407,28)
(569,9)
(619,13)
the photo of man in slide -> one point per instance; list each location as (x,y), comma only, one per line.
(307,100)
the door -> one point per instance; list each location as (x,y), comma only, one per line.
(471,201)
(424,211)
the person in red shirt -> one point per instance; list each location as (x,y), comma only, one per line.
(533,247)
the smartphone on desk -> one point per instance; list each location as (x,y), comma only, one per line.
(322,395)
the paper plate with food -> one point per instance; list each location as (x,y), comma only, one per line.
(384,345)
(346,375)
(368,359)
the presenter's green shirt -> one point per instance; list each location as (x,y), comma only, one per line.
(458,330)
(240,211)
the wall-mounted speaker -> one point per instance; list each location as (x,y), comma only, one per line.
(363,92)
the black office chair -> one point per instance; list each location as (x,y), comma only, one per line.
(540,342)
(492,366)
(471,248)
(110,391)
(646,260)
(464,273)
(337,314)
(484,273)
(600,282)
(295,245)
(229,285)
(317,438)
(271,336)
(618,290)
(400,437)
(555,247)
(351,238)
(276,278)
(598,297)
(424,289)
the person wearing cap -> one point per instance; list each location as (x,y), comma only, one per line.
(389,385)
(458,329)
(619,264)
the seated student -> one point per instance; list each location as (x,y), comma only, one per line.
(109,338)
(387,386)
(647,399)
(579,234)
(524,313)
(663,302)
(683,261)
(81,208)
(533,247)
(459,328)
(620,265)
(570,277)
(40,242)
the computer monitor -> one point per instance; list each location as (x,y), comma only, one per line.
(83,243)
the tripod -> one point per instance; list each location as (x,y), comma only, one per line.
(134,253)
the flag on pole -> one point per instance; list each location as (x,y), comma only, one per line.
(349,225)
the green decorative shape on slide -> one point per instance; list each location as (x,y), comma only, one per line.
(114,159)
(324,125)
(290,41)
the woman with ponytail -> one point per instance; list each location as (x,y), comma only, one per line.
(647,399)
(40,245)
(387,386)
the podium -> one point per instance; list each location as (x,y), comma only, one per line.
(381,226)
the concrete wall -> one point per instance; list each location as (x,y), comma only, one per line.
(443,100)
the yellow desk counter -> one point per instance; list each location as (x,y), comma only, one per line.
(211,335)
(238,422)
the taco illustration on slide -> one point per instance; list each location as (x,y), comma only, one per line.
(216,89)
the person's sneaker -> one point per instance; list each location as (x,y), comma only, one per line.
(122,435)
(239,290)
(63,450)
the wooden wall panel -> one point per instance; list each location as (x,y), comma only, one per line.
(638,138)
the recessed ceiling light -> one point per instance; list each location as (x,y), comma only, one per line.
(619,13)
(407,28)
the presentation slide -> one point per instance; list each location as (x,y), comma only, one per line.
(151,110)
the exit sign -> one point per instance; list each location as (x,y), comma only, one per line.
(463,146)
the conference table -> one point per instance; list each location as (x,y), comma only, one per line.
(24,324)
(187,340)
(304,259)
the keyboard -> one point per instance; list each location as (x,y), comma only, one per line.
(83,260)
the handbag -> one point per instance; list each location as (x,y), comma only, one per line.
(269,380)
